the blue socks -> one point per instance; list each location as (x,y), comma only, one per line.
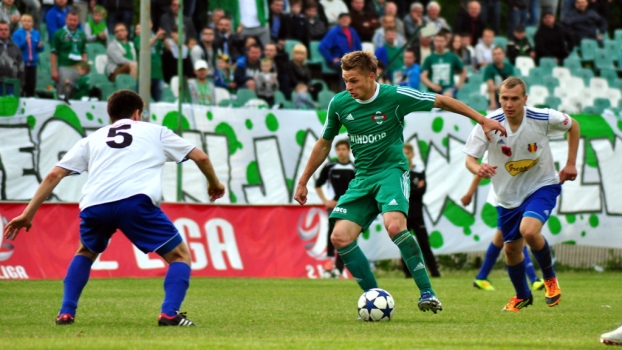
(531,272)
(543,257)
(176,284)
(489,261)
(75,280)
(517,276)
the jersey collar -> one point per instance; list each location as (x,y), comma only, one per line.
(372,98)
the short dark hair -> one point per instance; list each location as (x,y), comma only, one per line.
(4,22)
(123,103)
(342,142)
(73,13)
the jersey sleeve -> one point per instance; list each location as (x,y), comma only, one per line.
(77,159)
(411,100)
(488,73)
(459,64)
(476,144)
(321,180)
(175,148)
(332,123)
(559,123)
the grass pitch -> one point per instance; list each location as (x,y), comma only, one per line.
(310,314)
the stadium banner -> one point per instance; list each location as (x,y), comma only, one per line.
(259,154)
(231,241)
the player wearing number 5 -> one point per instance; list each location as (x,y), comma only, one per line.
(525,182)
(124,162)
(373,115)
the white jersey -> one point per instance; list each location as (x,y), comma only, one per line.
(524,158)
(124,159)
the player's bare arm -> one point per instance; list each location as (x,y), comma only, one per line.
(453,105)
(468,197)
(569,172)
(214,188)
(483,170)
(318,156)
(51,180)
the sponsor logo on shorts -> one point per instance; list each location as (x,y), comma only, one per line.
(363,139)
(520,166)
(340,210)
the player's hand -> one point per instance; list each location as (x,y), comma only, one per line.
(486,171)
(568,173)
(330,204)
(11,230)
(466,199)
(489,125)
(301,194)
(215,191)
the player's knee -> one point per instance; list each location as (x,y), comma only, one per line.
(84,251)
(393,228)
(340,239)
(512,250)
(530,233)
(178,254)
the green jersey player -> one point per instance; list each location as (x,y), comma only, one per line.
(373,115)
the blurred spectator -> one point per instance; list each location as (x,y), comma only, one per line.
(549,5)
(68,48)
(202,91)
(466,44)
(379,35)
(11,61)
(389,53)
(10,14)
(170,55)
(158,8)
(294,24)
(439,68)
(601,7)
(249,17)
(414,19)
(533,13)
(425,48)
(30,43)
(470,21)
(55,17)
(316,28)
(483,50)
(95,27)
(339,41)
(495,74)
(410,74)
(433,16)
(517,14)
(297,68)
(118,11)
(169,19)
(204,50)
(552,39)
(567,6)
(82,6)
(217,14)
(228,43)
(245,76)
(46,5)
(156,42)
(302,98)
(121,54)
(491,14)
(363,21)
(34,8)
(332,9)
(461,51)
(248,42)
(276,22)
(382,78)
(519,45)
(585,23)
(390,9)
(266,81)
(223,75)
(279,59)
(81,88)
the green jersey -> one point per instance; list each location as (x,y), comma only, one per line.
(498,75)
(441,68)
(376,126)
(68,46)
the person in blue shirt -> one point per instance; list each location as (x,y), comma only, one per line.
(410,73)
(55,17)
(30,43)
(339,41)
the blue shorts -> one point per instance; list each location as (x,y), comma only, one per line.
(538,205)
(144,224)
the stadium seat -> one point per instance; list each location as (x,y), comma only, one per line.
(584,73)
(551,83)
(464,94)
(93,50)
(547,64)
(601,104)
(168,96)
(598,86)
(243,96)
(483,90)
(525,64)
(564,93)
(97,78)
(571,106)
(530,32)
(537,95)
(368,46)
(106,87)
(46,87)
(590,110)
(324,98)
(289,46)
(279,98)
(536,75)
(562,74)
(478,102)
(617,36)
(588,49)
(125,81)
(475,78)
(614,95)
(609,74)
(500,41)
(316,56)
(320,81)
(612,48)
(174,85)
(602,59)
(100,63)
(225,103)
(222,94)
(553,102)
(572,63)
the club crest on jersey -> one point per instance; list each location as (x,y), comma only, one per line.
(379,117)
(532,147)
(506,151)
(566,119)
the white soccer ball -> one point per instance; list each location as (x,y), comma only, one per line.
(376,305)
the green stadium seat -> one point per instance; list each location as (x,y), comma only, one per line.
(547,64)
(168,96)
(500,41)
(617,36)
(572,63)
(97,78)
(105,86)
(324,98)
(279,98)
(603,60)
(478,102)
(530,32)
(94,49)
(584,73)
(124,81)
(613,48)
(550,82)
(289,46)
(610,74)
(588,48)
(536,75)
(575,54)
(316,56)
(590,110)
(225,103)
(243,96)
(601,104)
(553,102)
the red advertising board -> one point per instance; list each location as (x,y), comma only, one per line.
(232,241)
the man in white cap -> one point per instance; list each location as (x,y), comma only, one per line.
(201,90)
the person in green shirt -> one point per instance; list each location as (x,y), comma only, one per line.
(95,27)
(439,68)
(157,48)
(82,86)
(373,116)
(495,74)
(67,50)
(121,54)
(201,89)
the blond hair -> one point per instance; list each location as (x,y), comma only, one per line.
(512,82)
(302,49)
(363,60)
(409,147)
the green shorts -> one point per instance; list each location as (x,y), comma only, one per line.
(368,196)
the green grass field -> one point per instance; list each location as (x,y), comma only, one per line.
(311,314)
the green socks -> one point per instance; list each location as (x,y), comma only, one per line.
(411,253)
(358,265)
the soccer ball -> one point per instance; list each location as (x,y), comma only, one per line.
(376,305)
